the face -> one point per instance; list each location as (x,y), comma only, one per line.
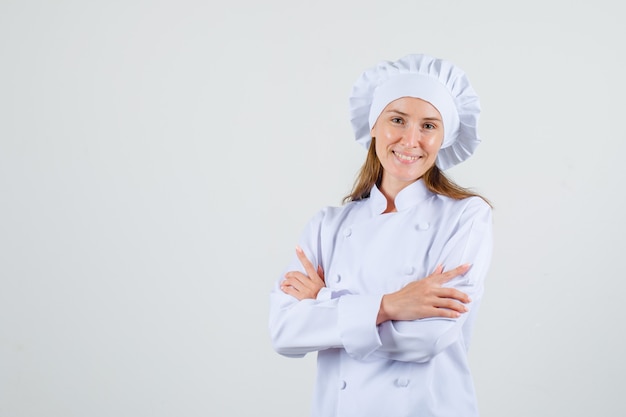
(409,133)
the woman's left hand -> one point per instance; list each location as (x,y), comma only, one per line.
(301,285)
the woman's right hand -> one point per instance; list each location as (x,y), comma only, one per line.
(303,286)
(426,298)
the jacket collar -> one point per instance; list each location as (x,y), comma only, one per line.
(409,196)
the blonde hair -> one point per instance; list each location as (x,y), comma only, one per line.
(435,180)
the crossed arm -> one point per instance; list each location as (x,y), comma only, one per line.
(425,298)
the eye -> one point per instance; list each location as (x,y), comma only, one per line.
(429,126)
(397,120)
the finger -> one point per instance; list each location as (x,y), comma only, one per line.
(306,264)
(438,271)
(299,286)
(443,312)
(448,275)
(446,303)
(289,282)
(453,294)
(289,290)
(297,280)
(306,286)
(320,272)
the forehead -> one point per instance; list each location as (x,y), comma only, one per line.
(412,106)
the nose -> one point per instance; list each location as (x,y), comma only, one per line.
(412,136)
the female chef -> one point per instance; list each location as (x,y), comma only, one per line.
(386,287)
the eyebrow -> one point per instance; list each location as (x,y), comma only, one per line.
(406,115)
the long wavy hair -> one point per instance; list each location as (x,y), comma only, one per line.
(435,180)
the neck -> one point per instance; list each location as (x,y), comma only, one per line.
(391,206)
(390,190)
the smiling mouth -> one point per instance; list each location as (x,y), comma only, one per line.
(407,158)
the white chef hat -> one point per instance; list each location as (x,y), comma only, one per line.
(434,80)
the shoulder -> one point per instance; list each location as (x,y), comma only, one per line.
(330,214)
(473,202)
(468,208)
(477,204)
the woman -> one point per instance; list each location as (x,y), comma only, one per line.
(386,287)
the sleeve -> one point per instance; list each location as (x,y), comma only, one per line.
(421,340)
(333,320)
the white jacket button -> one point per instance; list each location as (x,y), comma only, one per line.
(338,278)
(409,270)
(402,382)
(422,226)
(342,385)
(347,232)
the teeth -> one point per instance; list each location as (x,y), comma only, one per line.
(406,157)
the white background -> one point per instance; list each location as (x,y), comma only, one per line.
(158,160)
